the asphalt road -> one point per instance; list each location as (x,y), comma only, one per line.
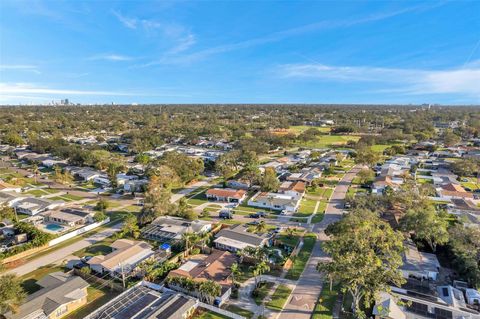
(62,253)
(305,295)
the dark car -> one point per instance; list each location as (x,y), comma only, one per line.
(225,215)
(262,214)
(254,215)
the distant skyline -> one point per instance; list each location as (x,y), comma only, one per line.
(372,52)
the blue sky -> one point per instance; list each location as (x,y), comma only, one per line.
(240,51)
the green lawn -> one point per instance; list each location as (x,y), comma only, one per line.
(262,291)
(279,298)
(318,218)
(324,141)
(301,259)
(206,314)
(297,129)
(72,197)
(100,248)
(29,283)
(307,207)
(37,192)
(95,299)
(472,183)
(289,240)
(325,303)
(239,311)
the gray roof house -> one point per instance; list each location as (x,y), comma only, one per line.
(237,238)
(32,206)
(61,293)
(146,301)
(418,264)
(167,228)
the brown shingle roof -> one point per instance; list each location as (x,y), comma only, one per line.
(227,192)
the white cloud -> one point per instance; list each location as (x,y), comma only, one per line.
(19,67)
(130,23)
(28,88)
(181,38)
(284,34)
(17,92)
(407,81)
(111,57)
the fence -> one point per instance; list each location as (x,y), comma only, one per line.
(53,242)
(99,281)
(77,232)
(221,311)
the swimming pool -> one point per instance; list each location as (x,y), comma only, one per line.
(54,227)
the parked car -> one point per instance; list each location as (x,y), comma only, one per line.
(254,215)
(225,215)
(262,214)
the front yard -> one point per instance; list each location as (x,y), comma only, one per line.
(279,298)
(301,259)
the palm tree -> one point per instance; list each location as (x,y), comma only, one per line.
(208,290)
(35,171)
(261,227)
(11,293)
(290,231)
(241,253)
(188,239)
(259,270)
(235,272)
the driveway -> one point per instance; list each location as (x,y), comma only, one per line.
(305,295)
(62,253)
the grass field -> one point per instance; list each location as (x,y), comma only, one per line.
(206,314)
(29,283)
(95,299)
(239,311)
(279,298)
(297,129)
(472,183)
(302,257)
(325,303)
(325,141)
(318,218)
(307,207)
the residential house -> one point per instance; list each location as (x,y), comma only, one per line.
(123,178)
(419,265)
(60,294)
(296,189)
(32,206)
(215,267)
(83,173)
(237,238)
(53,161)
(451,190)
(465,209)
(307,176)
(126,255)
(171,229)
(146,300)
(102,180)
(68,216)
(275,201)
(226,195)
(445,303)
(135,185)
(239,184)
